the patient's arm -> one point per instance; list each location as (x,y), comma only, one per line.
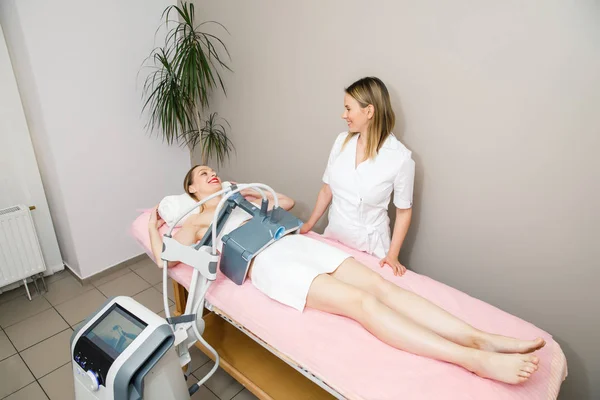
(154,223)
(285,202)
(253,196)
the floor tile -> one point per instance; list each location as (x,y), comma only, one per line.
(171,312)
(127,285)
(31,392)
(136,259)
(12,294)
(203,392)
(199,359)
(6,347)
(110,277)
(48,355)
(20,309)
(152,299)
(220,383)
(35,329)
(151,274)
(65,289)
(58,385)
(80,307)
(57,276)
(245,395)
(77,326)
(14,375)
(146,262)
(170,291)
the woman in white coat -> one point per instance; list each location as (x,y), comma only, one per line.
(366,164)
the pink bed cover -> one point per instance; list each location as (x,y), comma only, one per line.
(358,365)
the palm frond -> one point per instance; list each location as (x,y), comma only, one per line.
(186,71)
(215,142)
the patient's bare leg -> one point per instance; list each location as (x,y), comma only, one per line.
(428,314)
(331,295)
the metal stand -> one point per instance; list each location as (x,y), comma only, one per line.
(44,282)
(35,279)
(27,289)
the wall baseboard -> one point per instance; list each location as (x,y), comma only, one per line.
(109,270)
(54,269)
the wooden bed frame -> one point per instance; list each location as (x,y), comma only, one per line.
(267,375)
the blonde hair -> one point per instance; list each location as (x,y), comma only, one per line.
(372,91)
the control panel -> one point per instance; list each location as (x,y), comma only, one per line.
(104,341)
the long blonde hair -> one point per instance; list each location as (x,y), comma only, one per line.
(371,90)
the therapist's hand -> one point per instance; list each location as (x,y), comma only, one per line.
(305,228)
(393,262)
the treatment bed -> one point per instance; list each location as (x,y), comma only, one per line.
(279,353)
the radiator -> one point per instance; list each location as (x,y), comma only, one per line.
(20,251)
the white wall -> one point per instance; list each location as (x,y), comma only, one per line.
(20,181)
(76,64)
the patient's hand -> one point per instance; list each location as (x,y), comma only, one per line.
(155,221)
(248,194)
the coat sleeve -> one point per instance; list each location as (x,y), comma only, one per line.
(404,184)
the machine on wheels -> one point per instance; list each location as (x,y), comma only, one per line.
(124,351)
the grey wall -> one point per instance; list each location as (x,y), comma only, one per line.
(499,103)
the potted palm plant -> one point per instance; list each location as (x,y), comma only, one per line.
(177,91)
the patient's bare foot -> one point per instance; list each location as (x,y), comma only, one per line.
(508,368)
(503,344)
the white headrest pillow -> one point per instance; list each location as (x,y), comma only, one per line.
(172,207)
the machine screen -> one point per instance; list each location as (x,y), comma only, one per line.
(113,333)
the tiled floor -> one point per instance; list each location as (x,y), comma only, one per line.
(34,335)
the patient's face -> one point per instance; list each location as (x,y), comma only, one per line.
(205,182)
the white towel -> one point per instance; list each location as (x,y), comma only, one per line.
(172,207)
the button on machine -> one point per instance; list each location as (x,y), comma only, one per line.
(94,383)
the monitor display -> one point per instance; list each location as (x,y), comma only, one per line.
(116,331)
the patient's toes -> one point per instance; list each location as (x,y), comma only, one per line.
(509,368)
(529,346)
(539,343)
(524,374)
(530,368)
(534,360)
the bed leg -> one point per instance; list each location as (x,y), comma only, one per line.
(180,297)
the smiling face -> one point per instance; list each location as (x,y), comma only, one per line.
(356,117)
(201,181)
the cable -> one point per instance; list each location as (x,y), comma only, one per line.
(165,292)
(165,263)
(200,301)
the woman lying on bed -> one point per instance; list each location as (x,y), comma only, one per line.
(299,271)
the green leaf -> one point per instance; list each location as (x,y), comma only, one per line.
(186,71)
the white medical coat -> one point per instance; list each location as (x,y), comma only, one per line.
(358,215)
